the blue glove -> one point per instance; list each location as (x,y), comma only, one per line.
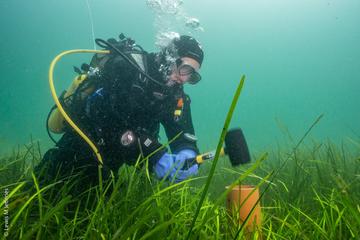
(170,166)
(180,157)
(163,167)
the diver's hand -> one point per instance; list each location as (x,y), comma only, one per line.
(164,166)
(182,174)
(169,166)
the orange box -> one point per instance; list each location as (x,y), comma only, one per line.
(240,200)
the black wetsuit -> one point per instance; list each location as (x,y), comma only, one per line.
(122,101)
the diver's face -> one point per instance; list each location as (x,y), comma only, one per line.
(185,70)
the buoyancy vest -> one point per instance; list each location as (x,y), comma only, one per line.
(123,99)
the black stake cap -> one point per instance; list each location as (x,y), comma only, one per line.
(236,147)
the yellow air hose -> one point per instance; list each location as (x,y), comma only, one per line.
(58,104)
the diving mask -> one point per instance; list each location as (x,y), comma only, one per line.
(185,69)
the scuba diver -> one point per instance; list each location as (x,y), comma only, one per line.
(119,100)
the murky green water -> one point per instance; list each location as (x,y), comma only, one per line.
(301,59)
